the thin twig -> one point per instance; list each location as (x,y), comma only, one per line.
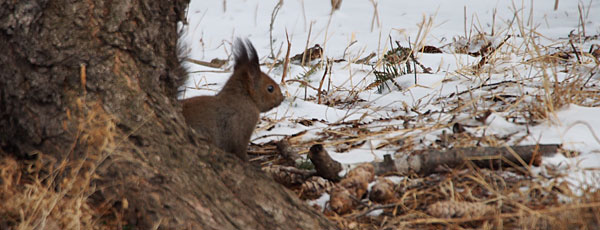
(286,62)
(581,19)
(307,42)
(321,83)
(413,58)
(273,16)
(375,15)
(304,83)
(575,51)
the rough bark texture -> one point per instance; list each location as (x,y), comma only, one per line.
(95,81)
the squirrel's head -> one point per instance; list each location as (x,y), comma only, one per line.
(262,89)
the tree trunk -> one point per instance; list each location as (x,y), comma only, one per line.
(88,88)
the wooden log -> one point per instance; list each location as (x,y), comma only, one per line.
(429,161)
(326,167)
(287,153)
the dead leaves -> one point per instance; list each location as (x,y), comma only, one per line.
(308,55)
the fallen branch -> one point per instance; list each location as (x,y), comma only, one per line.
(429,161)
(214,63)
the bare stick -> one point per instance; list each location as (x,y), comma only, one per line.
(375,15)
(303,83)
(413,58)
(335,5)
(82,76)
(207,64)
(346,50)
(465,20)
(273,16)
(575,51)
(493,21)
(321,83)
(307,42)
(286,62)
(581,19)
(591,75)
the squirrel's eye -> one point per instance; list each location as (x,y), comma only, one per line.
(270,88)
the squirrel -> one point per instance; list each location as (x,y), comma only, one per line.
(229,118)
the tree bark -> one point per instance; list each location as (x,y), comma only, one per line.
(91,85)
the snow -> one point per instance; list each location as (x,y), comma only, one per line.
(321,201)
(213,25)
(576,127)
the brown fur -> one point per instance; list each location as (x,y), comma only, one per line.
(229,118)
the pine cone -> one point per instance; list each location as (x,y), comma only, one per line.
(288,175)
(365,171)
(341,201)
(315,186)
(382,191)
(456,209)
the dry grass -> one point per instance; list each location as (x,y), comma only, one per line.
(43,193)
(542,80)
(46,194)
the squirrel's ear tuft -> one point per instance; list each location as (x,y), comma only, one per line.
(240,53)
(252,55)
(245,54)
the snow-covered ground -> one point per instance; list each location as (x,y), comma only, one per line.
(416,115)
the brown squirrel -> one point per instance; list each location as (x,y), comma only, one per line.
(229,118)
